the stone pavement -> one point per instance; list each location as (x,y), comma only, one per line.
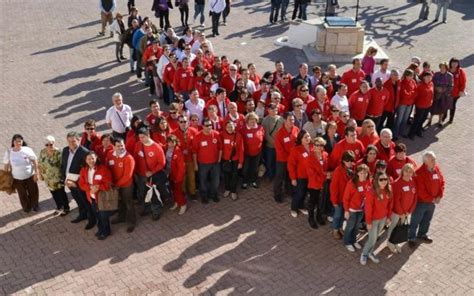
(56,74)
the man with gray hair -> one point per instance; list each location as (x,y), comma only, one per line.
(385,145)
(118,117)
(430,189)
(72,157)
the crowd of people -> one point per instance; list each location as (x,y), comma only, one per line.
(329,141)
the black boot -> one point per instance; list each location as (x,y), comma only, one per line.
(311,220)
(319,217)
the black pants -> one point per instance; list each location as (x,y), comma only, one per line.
(297,9)
(27,192)
(164,19)
(274,10)
(389,117)
(215,22)
(85,209)
(452,111)
(130,4)
(326,205)
(281,179)
(250,169)
(231,178)
(184,12)
(159,179)
(226,11)
(314,200)
(60,198)
(420,116)
(375,119)
(117,135)
(118,50)
(126,210)
(138,54)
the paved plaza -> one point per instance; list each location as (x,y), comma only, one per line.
(56,74)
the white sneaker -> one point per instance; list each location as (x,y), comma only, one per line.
(294,214)
(350,248)
(234,196)
(226,193)
(304,211)
(363,259)
(224,23)
(373,258)
(392,248)
(357,246)
(182,210)
(330,219)
(174,207)
(399,248)
(202,26)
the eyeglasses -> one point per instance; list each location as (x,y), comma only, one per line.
(48,145)
(195,119)
(90,128)
(304,90)
(319,145)
(173,112)
(233,70)
(334,111)
(208,125)
(298,105)
(183,122)
(383,180)
(285,78)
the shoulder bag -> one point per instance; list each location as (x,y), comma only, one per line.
(400,232)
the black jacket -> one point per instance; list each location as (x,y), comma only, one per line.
(76,163)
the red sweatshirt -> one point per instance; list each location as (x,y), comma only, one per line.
(168,74)
(253,139)
(185,141)
(204,89)
(131,141)
(407,92)
(429,185)
(394,97)
(404,196)
(459,82)
(369,139)
(378,100)
(207,147)
(353,80)
(325,108)
(358,103)
(394,166)
(424,95)
(377,209)
(102,177)
(122,169)
(239,122)
(104,153)
(183,79)
(284,142)
(385,153)
(149,158)
(342,146)
(340,177)
(298,161)
(316,169)
(178,167)
(95,141)
(354,196)
(228,142)
(228,83)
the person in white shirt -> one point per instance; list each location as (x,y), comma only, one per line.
(163,61)
(195,105)
(187,53)
(22,162)
(118,117)
(249,84)
(339,100)
(216,7)
(382,72)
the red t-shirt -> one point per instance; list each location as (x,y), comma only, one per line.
(149,158)
(253,139)
(207,147)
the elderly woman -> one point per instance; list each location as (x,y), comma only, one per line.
(253,135)
(315,126)
(321,102)
(443,86)
(22,162)
(300,116)
(50,172)
(429,189)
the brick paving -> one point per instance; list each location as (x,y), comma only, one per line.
(56,74)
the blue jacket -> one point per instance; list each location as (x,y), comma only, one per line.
(137,35)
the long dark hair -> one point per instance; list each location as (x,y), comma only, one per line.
(362,167)
(16,137)
(84,161)
(376,186)
(300,137)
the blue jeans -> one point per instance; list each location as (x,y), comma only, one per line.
(402,113)
(303,8)
(421,219)
(199,9)
(284,6)
(208,180)
(269,157)
(103,222)
(352,227)
(444,6)
(338,217)
(132,62)
(377,226)
(299,194)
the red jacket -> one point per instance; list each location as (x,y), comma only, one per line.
(316,169)
(286,92)
(228,83)
(429,185)
(340,177)
(204,89)
(168,74)
(325,109)
(353,80)
(358,103)
(178,167)
(104,153)
(253,139)
(341,147)
(369,139)
(394,97)
(149,53)
(148,158)
(160,138)
(424,95)
(214,102)
(354,196)
(385,153)
(377,209)
(459,82)
(122,169)
(95,141)
(202,62)
(183,79)
(229,141)
(394,166)
(404,196)
(298,161)
(378,100)
(185,141)
(207,147)
(239,122)
(371,165)
(284,142)
(151,119)
(407,92)
(102,177)
(131,141)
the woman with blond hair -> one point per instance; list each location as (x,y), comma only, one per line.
(368,134)
(252,134)
(316,168)
(378,209)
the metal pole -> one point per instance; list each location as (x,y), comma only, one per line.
(326,11)
(357,12)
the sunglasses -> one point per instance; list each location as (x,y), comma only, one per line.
(233,70)
(298,105)
(285,78)
(304,90)
(319,145)
(183,122)
(194,119)
(317,113)
(334,111)
(208,125)
(90,128)
(383,179)
(48,145)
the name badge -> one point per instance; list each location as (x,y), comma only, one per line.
(398,171)
(98,177)
(354,80)
(140,153)
(249,135)
(406,188)
(360,188)
(185,151)
(321,162)
(226,141)
(111,162)
(183,75)
(383,98)
(360,99)
(286,140)
(435,177)
(204,143)
(169,68)
(305,154)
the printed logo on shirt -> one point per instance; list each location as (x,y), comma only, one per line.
(305,154)
(151,154)
(120,164)
(214,141)
(360,188)
(111,162)
(169,68)
(98,177)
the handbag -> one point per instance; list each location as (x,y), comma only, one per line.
(6,178)
(108,200)
(400,233)
(227,164)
